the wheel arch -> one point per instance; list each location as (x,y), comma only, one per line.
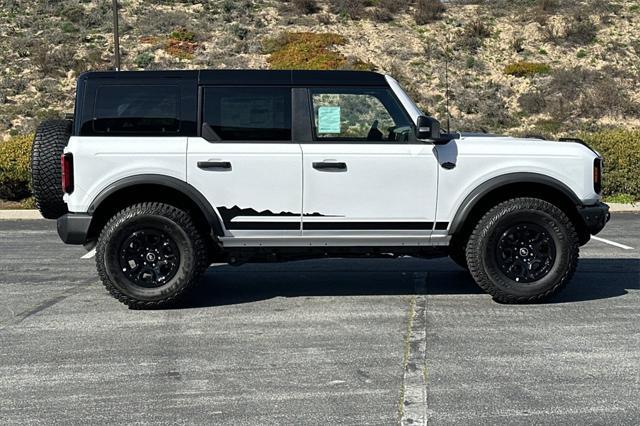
(150,187)
(511,185)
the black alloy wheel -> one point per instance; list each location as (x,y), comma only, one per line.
(525,252)
(149,258)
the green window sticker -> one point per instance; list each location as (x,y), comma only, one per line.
(329,119)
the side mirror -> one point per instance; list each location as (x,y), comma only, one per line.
(429,129)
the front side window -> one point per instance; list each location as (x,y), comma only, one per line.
(248,113)
(136,109)
(366,115)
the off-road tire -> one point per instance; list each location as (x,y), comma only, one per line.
(481,250)
(168,219)
(46,172)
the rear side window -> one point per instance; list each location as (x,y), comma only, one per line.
(143,110)
(248,113)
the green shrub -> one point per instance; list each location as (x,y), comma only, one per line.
(309,51)
(183,34)
(15,161)
(144,59)
(621,152)
(525,69)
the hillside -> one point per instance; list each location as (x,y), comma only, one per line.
(527,66)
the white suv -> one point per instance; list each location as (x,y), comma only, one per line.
(166,172)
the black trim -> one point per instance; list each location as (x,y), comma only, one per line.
(441,226)
(282,226)
(310,226)
(252,77)
(150,179)
(492,184)
(74,227)
(595,217)
(301,126)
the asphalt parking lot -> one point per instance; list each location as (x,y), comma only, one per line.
(318,342)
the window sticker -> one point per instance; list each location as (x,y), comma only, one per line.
(329,119)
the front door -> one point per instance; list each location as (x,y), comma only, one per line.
(246,164)
(365,175)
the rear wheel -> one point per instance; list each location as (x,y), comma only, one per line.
(523,250)
(149,254)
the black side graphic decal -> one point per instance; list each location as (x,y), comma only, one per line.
(228,214)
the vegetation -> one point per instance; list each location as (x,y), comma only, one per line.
(526,69)
(15,160)
(589,46)
(621,151)
(307,51)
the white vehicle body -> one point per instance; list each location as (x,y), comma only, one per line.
(166,172)
(388,195)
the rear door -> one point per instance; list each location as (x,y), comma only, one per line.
(365,175)
(245,162)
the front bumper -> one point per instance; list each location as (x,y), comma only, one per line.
(74,227)
(595,217)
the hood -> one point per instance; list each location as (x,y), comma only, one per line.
(562,144)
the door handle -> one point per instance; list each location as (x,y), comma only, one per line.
(214,165)
(330,165)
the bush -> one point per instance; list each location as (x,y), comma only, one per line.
(305,6)
(183,34)
(621,152)
(532,102)
(309,51)
(353,9)
(428,11)
(15,160)
(144,59)
(474,34)
(581,30)
(525,69)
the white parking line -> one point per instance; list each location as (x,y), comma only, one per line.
(89,255)
(613,243)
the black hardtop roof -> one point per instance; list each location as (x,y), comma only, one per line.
(252,77)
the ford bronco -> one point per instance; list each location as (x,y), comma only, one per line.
(164,172)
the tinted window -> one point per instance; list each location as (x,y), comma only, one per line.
(367,114)
(136,109)
(249,113)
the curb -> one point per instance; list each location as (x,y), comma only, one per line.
(35,214)
(619,207)
(20,215)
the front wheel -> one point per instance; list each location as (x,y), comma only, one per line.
(149,254)
(523,250)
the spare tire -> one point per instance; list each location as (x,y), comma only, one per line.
(46,171)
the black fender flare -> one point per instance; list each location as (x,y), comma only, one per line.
(497,182)
(161,180)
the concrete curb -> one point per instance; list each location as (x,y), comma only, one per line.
(35,214)
(619,207)
(20,215)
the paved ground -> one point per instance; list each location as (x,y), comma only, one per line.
(319,342)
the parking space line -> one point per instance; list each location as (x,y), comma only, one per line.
(613,243)
(89,255)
